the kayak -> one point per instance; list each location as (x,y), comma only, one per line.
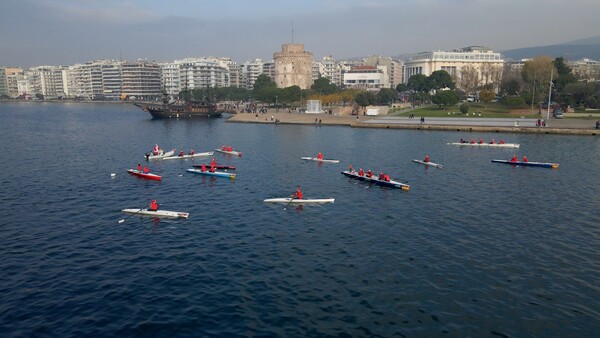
(529,164)
(289,200)
(428,164)
(495,145)
(157,213)
(319,160)
(183,157)
(233,152)
(218,166)
(141,174)
(208,173)
(162,154)
(375,180)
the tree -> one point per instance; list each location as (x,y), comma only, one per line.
(418,83)
(445,98)
(323,86)
(401,87)
(290,94)
(364,98)
(263,81)
(487,96)
(464,108)
(510,87)
(386,96)
(440,79)
(491,75)
(580,91)
(469,79)
(536,73)
(564,75)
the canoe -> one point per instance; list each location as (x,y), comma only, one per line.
(208,173)
(218,166)
(431,164)
(141,174)
(319,160)
(375,180)
(495,145)
(289,200)
(233,152)
(529,164)
(157,213)
(208,153)
(161,155)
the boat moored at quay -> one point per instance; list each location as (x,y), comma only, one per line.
(181,110)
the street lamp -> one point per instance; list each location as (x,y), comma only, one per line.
(276,104)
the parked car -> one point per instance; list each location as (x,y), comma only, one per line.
(558,113)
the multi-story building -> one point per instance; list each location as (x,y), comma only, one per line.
(586,69)
(46,81)
(366,78)
(250,70)
(3,90)
(293,67)
(476,61)
(394,68)
(198,73)
(170,78)
(329,68)
(12,75)
(141,79)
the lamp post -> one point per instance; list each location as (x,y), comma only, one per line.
(276,104)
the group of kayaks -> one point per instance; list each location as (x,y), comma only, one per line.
(201,169)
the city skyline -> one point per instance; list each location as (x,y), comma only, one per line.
(62,32)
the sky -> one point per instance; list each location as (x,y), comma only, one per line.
(65,32)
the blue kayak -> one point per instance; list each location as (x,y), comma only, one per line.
(208,173)
(529,164)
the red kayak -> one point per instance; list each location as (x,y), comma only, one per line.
(141,174)
(218,166)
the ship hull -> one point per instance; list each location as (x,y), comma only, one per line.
(179,111)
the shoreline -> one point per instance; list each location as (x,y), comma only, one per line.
(572,127)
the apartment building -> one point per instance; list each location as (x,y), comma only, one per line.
(366,78)
(393,68)
(586,69)
(3,90)
(250,70)
(141,79)
(12,75)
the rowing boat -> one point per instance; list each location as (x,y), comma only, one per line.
(218,166)
(529,164)
(157,213)
(319,160)
(233,152)
(142,174)
(431,164)
(289,200)
(375,180)
(208,173)
(162,154)
(184,157)
(490,145)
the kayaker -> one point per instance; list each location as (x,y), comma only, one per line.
(426,160)
(213,163)
(146,169)
(480,141)
(514,158)
(224,148)
(501,141)
(156,149)
(387,178)
(212,168)
(369,173)
(319,156)
(139,167)
(203,168)
(472,141)
(297,194)
(229,148)
(493,142)
(381,176)
(525,158)
(361,172)
(192,152)
(350,169)
(153,206)
(462,141)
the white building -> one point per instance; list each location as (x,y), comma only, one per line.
(366,78)
(329,68)
(586,69)
(393,68)
(250,71)
(484,60)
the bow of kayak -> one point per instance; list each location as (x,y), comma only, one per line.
(157,213)
(147,176)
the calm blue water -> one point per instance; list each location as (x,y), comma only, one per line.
(478,249)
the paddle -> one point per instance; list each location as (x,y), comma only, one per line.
(123,220)
(290,202)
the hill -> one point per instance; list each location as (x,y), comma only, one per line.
(573,50)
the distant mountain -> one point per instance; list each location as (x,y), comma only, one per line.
(573,50)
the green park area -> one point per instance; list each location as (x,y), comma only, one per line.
(474,110)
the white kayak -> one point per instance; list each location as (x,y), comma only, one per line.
(431,164)
(289,200)
(233,152)
(490,145)
(319,160)
(183,157)
(162,154)
(157,213)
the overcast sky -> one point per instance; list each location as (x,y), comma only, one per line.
(64,32)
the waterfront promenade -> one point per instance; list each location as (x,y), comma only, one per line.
(514,124)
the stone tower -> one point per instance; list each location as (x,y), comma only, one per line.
(293,66)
